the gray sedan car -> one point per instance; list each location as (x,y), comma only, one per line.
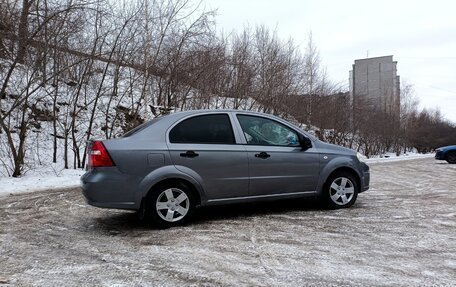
(167,167)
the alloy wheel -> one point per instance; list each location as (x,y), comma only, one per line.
(172,204)
(341,191)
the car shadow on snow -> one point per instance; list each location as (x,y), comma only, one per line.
(119,222)
(125,222)
(242,210)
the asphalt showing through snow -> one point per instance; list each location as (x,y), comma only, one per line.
(402,232)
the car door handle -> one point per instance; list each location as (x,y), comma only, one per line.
(262,155)
(190,154)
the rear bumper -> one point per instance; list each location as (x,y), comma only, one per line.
(108,188)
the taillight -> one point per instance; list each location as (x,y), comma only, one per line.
(99,156)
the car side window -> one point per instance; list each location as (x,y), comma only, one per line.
(263,131)
(206,129)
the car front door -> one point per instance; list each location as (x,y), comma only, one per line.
(204,146)
(277,162)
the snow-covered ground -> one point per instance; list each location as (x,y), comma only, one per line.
(68,178)
(401,232)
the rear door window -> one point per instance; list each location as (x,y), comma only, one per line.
(206,129)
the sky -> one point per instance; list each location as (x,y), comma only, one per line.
(421,35)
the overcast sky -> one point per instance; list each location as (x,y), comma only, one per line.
(420,34)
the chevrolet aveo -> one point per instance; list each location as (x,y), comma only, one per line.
(167,167)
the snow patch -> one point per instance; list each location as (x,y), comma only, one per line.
(391,157)
(37,182)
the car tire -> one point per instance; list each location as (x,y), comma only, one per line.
(170,205)
(340,190)
(451,157)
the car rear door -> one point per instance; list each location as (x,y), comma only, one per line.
(277,162)
(204,146)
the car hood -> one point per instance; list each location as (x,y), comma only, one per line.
(444,148)
(327,147)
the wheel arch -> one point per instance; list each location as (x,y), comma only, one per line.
(167,175)
(338,165)
(349,170)
(326,196)
(171,181)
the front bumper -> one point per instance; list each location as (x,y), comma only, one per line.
(365,177)
(439,155)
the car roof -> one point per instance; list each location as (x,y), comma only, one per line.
(166,121)
(181,114)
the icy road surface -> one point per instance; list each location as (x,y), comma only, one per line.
(402,232)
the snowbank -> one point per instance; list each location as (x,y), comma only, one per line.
(34,182)
(391,157)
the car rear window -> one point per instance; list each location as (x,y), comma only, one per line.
(141,127)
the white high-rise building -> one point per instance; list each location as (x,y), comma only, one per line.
(374,81)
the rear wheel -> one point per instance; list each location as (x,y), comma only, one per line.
(170,205)
(340,190)
(451,157)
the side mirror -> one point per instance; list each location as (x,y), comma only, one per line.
(306,143)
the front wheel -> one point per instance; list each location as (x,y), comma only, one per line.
(340,190)
(451,157)
(170,205)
